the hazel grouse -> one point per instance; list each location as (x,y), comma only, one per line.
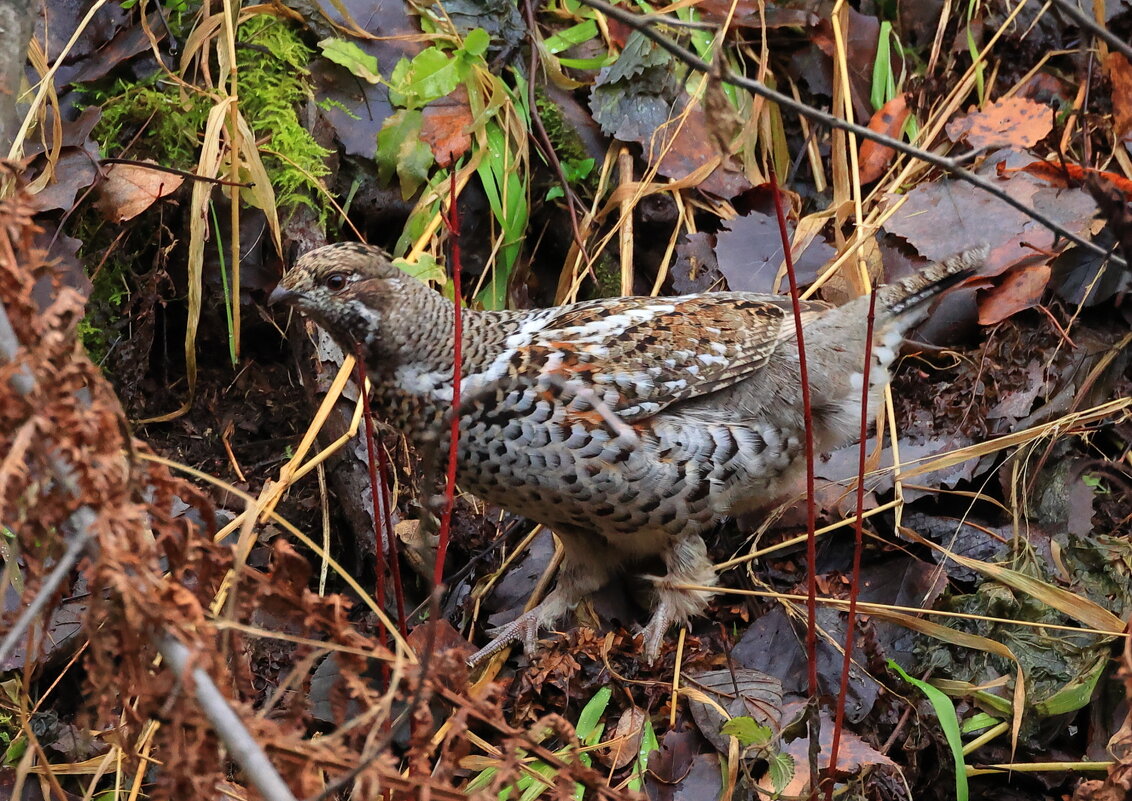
(626,425)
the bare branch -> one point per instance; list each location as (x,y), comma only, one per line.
(243,747)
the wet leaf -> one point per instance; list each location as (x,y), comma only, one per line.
(639,99)
(1021,289)
(400,151)
(889,120)
(352,57)
(446,127)
(623,744)
(944,217)
(1120,73)
(129,189)
(1013,122)
(742,693)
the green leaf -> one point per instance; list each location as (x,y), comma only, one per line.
(480,780)
(577,169)
(948,722)
(591,714)
(425,268)
(883,85)
(649,744)
(781,769)
(433,75)
(401,151)
(506,194)
(398,127)
(349,55)
(476,42)
(747,731)
(594,63)
(979,721)
(554,193)
(572,36)
(415,161)
(399,83)
(535,787)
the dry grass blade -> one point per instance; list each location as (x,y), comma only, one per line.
(208,165)
(973,641)
(404,651)
(1075,606)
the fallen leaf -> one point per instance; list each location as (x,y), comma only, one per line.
(1022,289)
(741,692)
(943,217)
(1120,73)
(853,754)
(1013,122)
(888,120)
(445,125)
(129,189)
(1067,175)
(859,38)
(623,745)
(639,99)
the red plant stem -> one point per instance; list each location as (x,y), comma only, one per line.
(371,456)
(855,580)
(394,556)
(811,510)
(457,355)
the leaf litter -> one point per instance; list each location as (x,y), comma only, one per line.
(1040,337)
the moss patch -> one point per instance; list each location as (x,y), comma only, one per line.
(273,82)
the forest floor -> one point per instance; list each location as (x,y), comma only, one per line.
(185,473)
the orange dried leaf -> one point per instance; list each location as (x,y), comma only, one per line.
(1120,73)
(445,127)
(1021,289)
(1014,122)
(889,120)
(130,189)
(1066,175)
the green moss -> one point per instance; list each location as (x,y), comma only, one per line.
(168,124)
(273,81)
(567,144)
(608,274)
(107,300)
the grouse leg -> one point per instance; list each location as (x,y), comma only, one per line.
(583,572)
(687,563)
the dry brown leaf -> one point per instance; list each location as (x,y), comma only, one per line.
(1022,289)
(623,745)
(1067,175)
(129,189)
(445,127)
(1013,122)
(1120,73)
(889,120)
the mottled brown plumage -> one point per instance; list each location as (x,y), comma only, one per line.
(626,425)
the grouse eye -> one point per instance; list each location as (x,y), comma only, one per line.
(335,282)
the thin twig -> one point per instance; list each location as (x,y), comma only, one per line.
(1089,24)
(191,176)
(858,546)
(811,504)
(457,376)
(228,726)
(81,520)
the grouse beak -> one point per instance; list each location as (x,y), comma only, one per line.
(282,295)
